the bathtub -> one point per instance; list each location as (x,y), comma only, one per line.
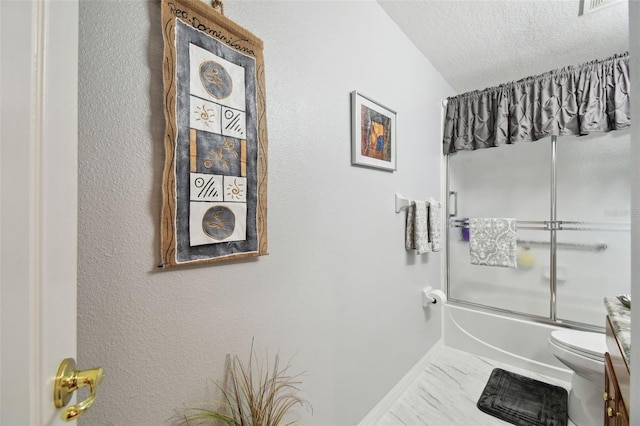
(503,338)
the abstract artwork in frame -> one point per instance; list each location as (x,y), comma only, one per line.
(373,140)
(215,173)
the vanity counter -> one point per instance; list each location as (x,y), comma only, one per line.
(617,377)
(620,317)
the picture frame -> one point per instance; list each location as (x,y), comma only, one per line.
(373,138)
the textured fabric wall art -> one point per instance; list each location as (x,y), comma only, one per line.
(215,173)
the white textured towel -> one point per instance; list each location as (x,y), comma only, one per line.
(410,231)
(435,210)
(421,227)
(492,242)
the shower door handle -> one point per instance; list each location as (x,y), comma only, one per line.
(455,203)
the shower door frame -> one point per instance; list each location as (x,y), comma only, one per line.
(552,225)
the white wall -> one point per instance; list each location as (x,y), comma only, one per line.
(338,290)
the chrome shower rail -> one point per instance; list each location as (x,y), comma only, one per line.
(542,225)
(559,225)
(593,226)
(522,224)
(597,247)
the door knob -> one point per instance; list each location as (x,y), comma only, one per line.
(68,380)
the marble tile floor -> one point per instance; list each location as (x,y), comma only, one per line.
(446,392)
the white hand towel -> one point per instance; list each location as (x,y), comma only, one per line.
(435,210)
(492,242)
(422,227)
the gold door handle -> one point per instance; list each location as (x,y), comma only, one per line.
(610,413)
(68,380)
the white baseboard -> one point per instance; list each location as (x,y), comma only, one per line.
(390,398)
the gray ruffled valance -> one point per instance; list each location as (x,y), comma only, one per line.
(593,97)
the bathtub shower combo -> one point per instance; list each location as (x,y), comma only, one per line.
(566,182)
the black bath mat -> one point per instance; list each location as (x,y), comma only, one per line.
(523,401)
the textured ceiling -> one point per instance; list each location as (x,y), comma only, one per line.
(476,44)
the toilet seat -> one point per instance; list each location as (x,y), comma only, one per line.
(585,343)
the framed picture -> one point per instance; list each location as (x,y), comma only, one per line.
(373,139)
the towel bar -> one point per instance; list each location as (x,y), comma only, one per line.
(561,225)
(401,203)
(598,247)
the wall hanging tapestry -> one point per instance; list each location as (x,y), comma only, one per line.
(215,172)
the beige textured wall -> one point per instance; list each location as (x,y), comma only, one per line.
(338,290)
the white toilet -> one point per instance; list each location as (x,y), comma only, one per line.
(583,352)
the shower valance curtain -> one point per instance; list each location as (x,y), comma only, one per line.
(575,100)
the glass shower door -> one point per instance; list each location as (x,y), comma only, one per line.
(594,208)
(506,182)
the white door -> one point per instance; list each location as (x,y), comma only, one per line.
(38,204)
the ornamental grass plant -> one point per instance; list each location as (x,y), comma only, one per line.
(253,394)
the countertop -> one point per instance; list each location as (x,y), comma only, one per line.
(621,321)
